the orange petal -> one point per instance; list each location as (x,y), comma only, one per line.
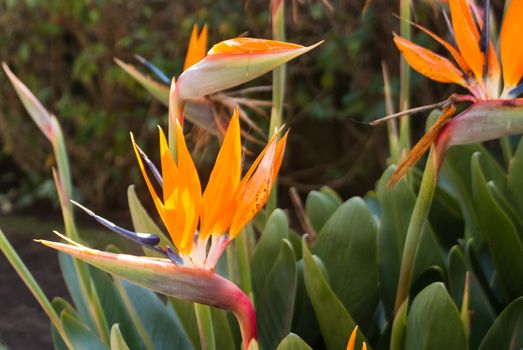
(255,187)
(450,48)
(190,193)
(197,47)
(352,340)
(216,208)
(170,189)
(251,45)
(428,63)
(467,36)
(510,44)
(421,147)
(157,202)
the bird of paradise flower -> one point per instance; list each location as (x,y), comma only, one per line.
(496,110)
(228,203)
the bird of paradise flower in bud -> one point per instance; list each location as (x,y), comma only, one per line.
(351,345)
(496,110)
(191,218)
(229,63)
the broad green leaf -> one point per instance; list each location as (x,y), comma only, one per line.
(117,340)
(293,342)
(114,307)
(185,311)
(505,247)
(479,304)
(142,222)
(347,247)
(319,207)
(276,229)
(335,322)
(397,203)
(79,335)
(515,178)
(73,286)
(304,323)
(275,300)
(332,194)
(59,305)
(433,322)
(456,171)
(507,330)
(159,320)
(223,334)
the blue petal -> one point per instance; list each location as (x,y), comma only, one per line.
(175,258)
(145,239)
(151,166)
(157,71)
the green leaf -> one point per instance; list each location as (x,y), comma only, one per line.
(433,322)
(304,323)
(223,335)
(319,207)
(515,178)
(117,341)
(114,308)
(142,222)
(60,304)
(73,286)
(293,342)
(457,172)
(276,229)
(185,311)
(159,320)
(79,335)
(347,247)
(397,203)
(505,247)
(158,90)
(507,330)
(38,113)
(335,322)
(275,300)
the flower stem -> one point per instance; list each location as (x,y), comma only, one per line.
(64,185)
(405,32)
(416,225)
(205,328)
(243,261)
(278,85)
(33,286)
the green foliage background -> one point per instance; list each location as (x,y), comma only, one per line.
(64,52)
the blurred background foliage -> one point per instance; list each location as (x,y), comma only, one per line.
(64,50)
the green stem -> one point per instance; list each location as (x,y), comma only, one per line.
(204,321)
(405,32)
(242,252)
(398,327)
(506,149)
(231,264)
(89,293)
(33,286)
(278,86)
(392,128)
(416,225)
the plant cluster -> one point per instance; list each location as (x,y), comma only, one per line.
(429,259)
